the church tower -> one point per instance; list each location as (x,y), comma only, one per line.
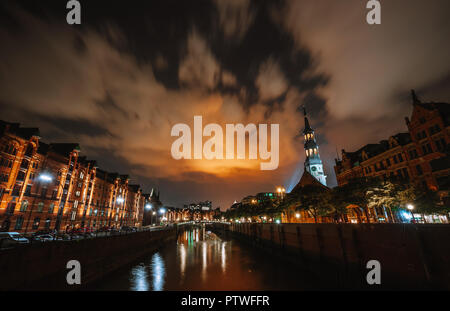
(313,163)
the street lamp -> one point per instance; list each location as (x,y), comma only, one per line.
(297,215)
(411,208)
(162,211)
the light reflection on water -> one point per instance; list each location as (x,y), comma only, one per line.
(158,272)
(200,260)
(139,279)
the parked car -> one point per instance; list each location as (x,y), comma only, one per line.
(42,232)
(43,238)
(62,237)
(127,229)
(104,229)
(76,236)
(10,239)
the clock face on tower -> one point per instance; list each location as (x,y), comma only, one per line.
(313,168)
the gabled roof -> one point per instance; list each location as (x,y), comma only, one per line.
(23,132)
(308,180)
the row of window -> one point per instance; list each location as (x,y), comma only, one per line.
(4,177)
(400,172)
(11,149)
(6,163)
(36,223)
(40,206)
(432,130)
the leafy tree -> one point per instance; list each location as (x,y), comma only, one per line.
(384,195)
(315,200)
(424,200)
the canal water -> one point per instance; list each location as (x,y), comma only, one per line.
(201,260)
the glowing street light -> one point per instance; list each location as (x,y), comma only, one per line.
(297,215)
(411,208)
(120,200)
(45,177)
(162,210)
(148,206)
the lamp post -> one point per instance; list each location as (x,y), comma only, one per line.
(149,207)
(410,207)
(162,211)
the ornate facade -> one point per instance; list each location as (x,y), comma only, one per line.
(420,155)
(50,187)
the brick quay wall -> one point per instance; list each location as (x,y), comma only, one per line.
(411,256)
(43,266)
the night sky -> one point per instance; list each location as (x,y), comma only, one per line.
(118,82)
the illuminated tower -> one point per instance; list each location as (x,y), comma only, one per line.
(313,163)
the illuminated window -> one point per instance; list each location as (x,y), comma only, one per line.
(24,206)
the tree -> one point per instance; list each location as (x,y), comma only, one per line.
(424,200)
(358,191)
(383,195)
(315,200)
(339,197)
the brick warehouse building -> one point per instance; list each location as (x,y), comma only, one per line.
(420,155)
(49,186)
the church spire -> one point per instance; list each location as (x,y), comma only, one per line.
(308,128)
(313,163)
(415,99)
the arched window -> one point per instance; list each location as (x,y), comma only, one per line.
(24,206)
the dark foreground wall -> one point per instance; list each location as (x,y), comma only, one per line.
(411,256)
(43,266)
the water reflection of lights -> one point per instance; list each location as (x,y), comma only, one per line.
(204,260)
(182,259)
(223,255)
(158,272)
(139,280)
